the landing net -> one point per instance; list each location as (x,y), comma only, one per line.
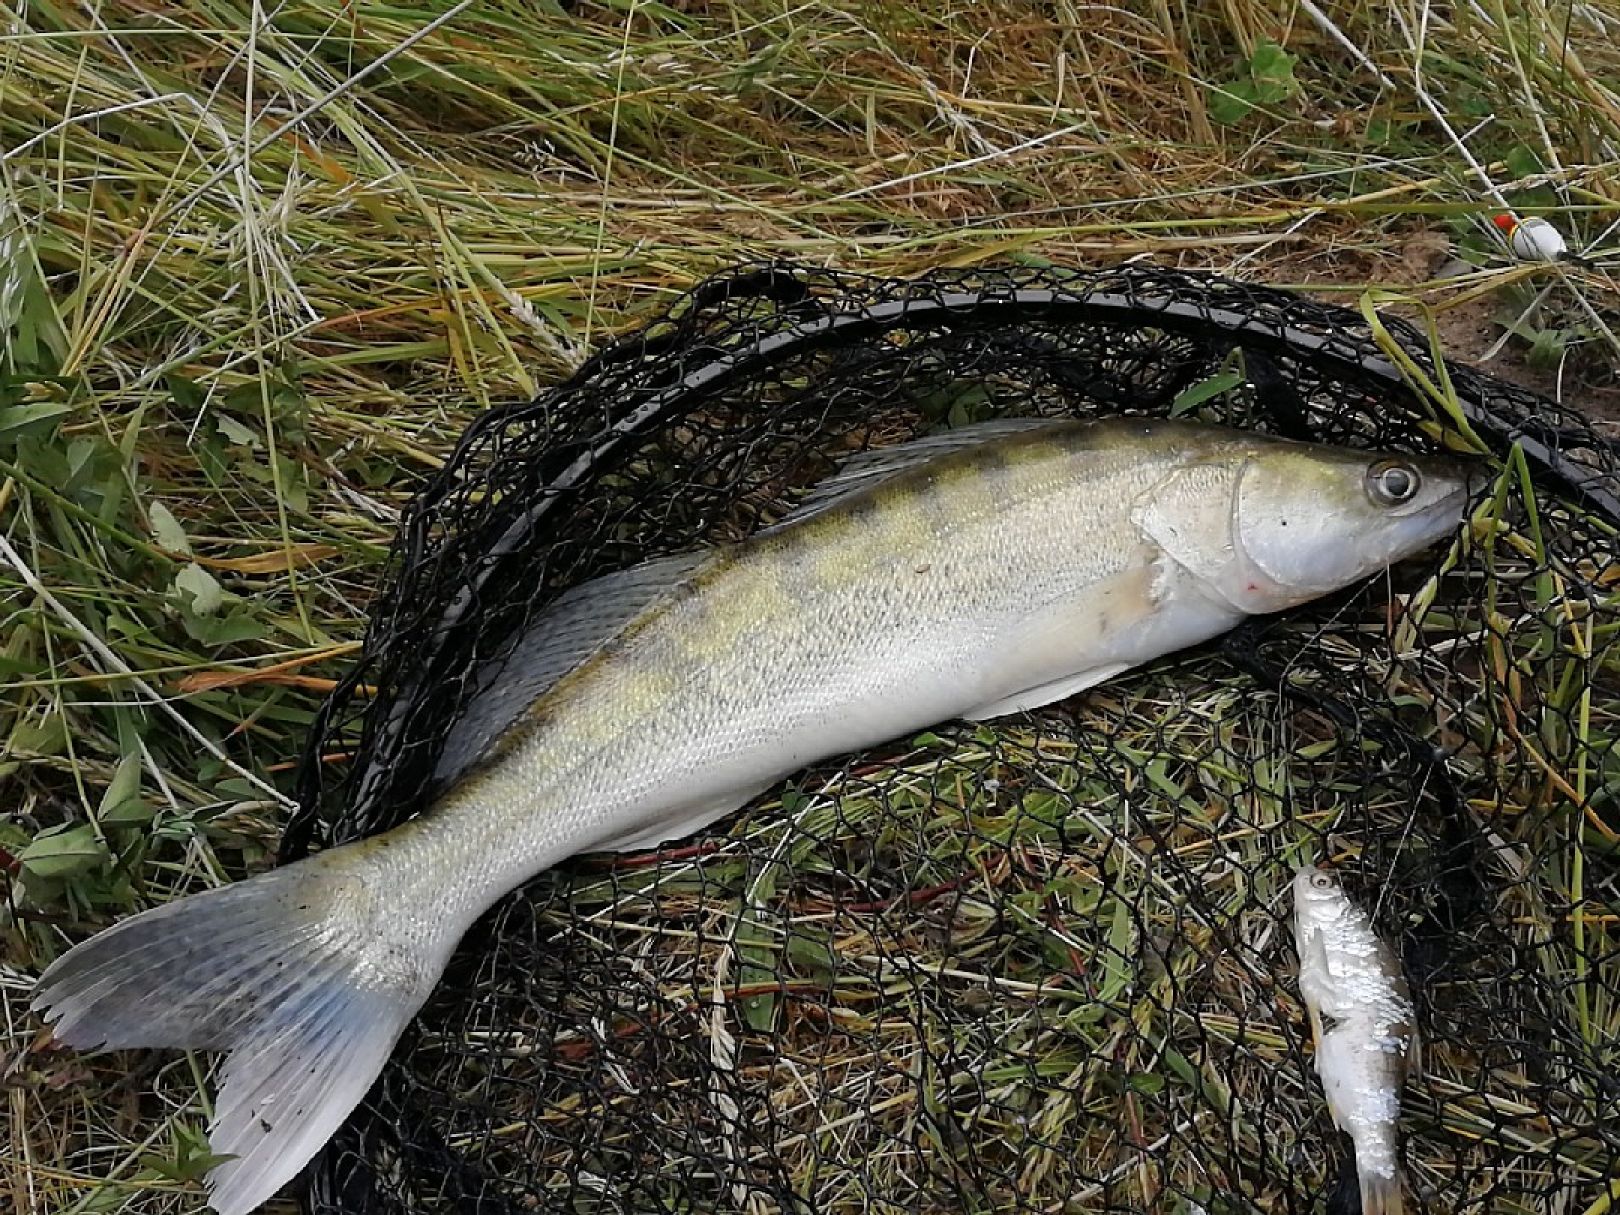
(1041,966)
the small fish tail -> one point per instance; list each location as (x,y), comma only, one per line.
(280,972)
(1381,1195)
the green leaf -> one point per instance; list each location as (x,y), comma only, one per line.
(810,950)
(210,451)
(756,951)
(199,590)
(136,812)
(125,627)
(1265,79)
(1272,70)
(65,853)
(1232,103)
(13,838)
(1522,161)
(166,528)
(1145,1083)
(188,395)
(236,433)
(1116,958)
(291,477)
(223,629)
(16,417)
(126,782)
(1547,349)
(189,1158)
(46,736)
(1233,372)
(121,803)
(81,456)
(294,484)
(245,399)
(1192,397)
(957,404)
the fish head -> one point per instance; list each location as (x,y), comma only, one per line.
(1317,900)
(1308,520)
(1314,887)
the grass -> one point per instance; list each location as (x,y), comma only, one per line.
(259,266)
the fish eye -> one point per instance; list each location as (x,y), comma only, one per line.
(1392,482)
(1321,881)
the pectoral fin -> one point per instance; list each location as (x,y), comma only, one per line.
(1177,516)
(1313,969)
(1316,1026)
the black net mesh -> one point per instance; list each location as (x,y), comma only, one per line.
(1046,966)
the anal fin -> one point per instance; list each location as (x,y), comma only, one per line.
(1047,693)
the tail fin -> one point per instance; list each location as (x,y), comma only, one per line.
(279,972)
(1381,1195)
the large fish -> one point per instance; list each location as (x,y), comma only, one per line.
(973,574)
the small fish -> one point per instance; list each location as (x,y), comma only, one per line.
(971,574)
(1363,1025)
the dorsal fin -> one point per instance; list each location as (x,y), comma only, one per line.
(573,628)
(869,468)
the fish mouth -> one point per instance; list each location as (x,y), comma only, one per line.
(1476,476)
(1474,470)
(1469,479)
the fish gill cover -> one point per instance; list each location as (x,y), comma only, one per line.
(1044,965)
